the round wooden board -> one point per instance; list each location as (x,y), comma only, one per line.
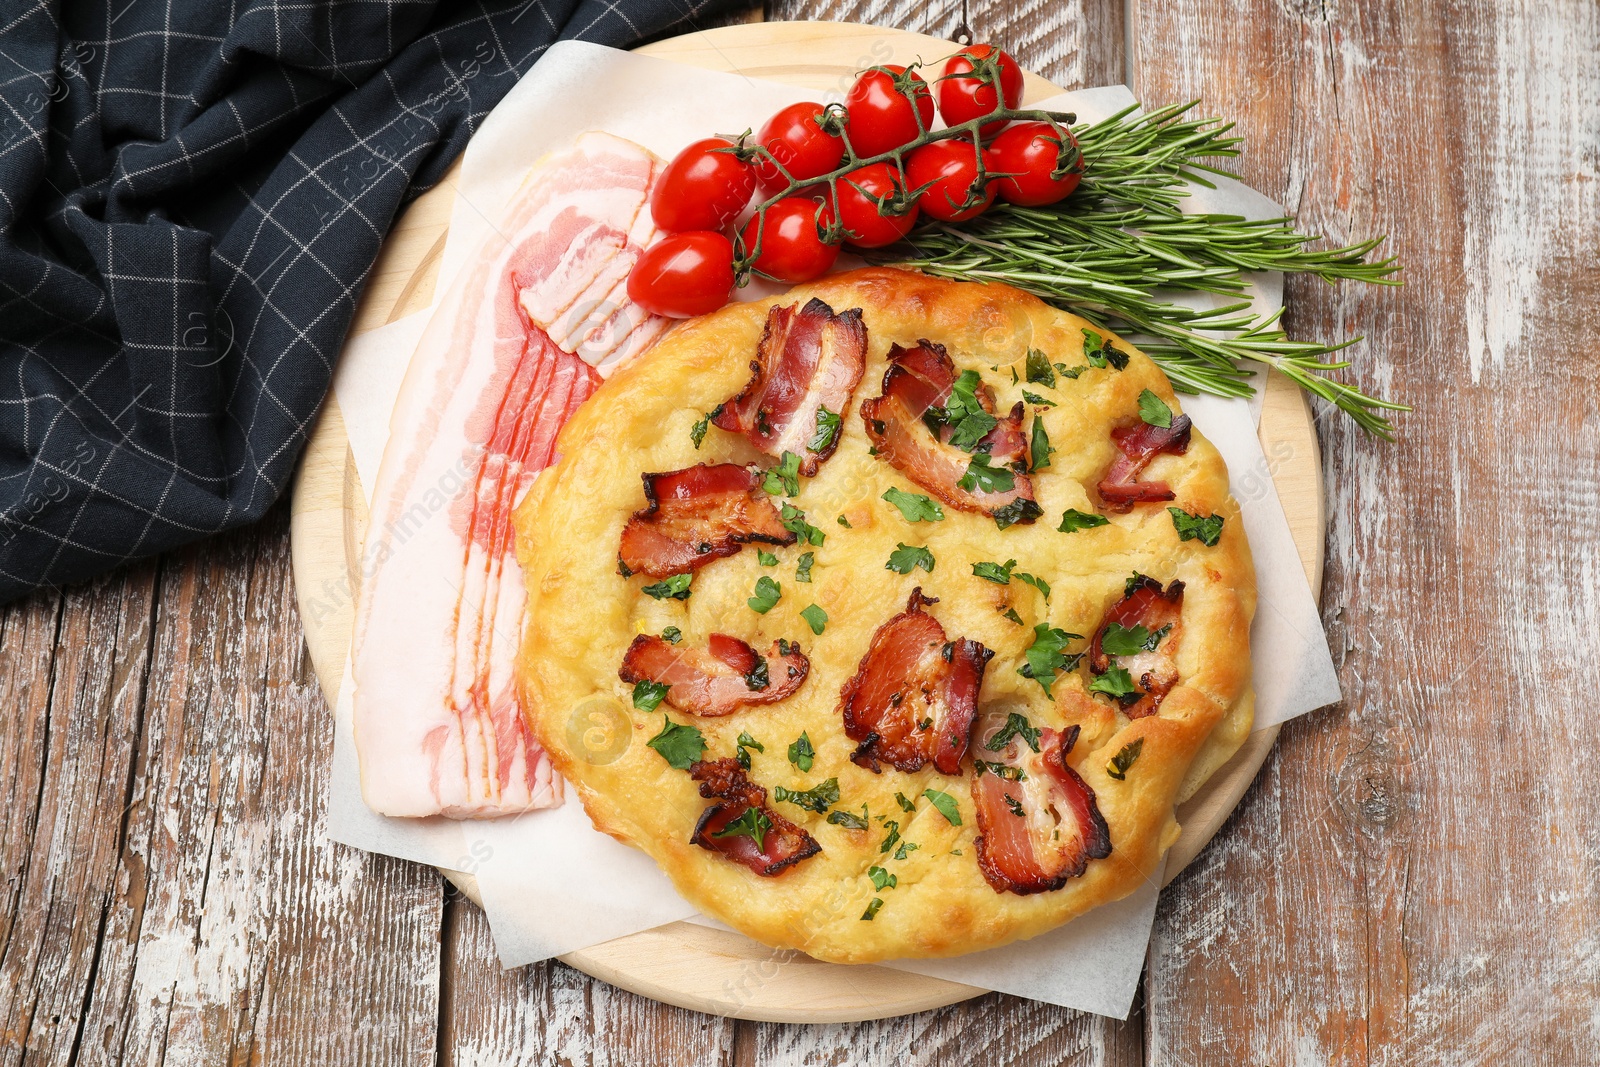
(683,963)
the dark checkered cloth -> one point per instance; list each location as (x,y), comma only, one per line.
(191,195)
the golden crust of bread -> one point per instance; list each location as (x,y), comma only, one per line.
(582,615)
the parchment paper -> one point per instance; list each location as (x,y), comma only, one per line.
(550,882)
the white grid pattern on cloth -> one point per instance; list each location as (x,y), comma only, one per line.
(203,189)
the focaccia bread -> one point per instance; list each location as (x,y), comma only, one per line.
(1033,592)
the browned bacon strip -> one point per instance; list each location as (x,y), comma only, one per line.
(782,844)
(697,515)
(1139,444)
(912,700)
(919,379)
(1155,672)
(1038,823)
(807,360)
(719,679)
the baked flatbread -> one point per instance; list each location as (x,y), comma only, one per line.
(960,758)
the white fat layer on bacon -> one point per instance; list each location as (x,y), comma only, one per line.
(439,729)
(830,375)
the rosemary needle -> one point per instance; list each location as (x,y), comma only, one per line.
(1110,250)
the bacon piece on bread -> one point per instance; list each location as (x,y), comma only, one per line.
(1153,670)
(914,695)
(920,380)
(717,680)
(765,841)
(809,359)
(1038,823)
(699,514)
(1138,445)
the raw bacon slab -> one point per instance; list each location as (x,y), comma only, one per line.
(533,324)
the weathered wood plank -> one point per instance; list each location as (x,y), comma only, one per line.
(171,899)
(549,1013)
(1413,880)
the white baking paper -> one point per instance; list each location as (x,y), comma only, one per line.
(550,882)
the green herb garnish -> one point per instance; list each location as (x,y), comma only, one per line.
(1119,640)
(801,754)
(765,558)
(672,635)
(753,824)
(827,431)
(1035,398)
(816,618)
(648,695)
(1115,682)
(1125,757)
(784,479)
(802,566)
(768,592)
(1017,725)
(882,879)
(849,820)
(1019,510)
(998,573)
(872,909)
(1047,655)
(1039,371)
(963,413)
(1205,529)
(678,745)
(794,520)
(982,474)
(697,432)
(1154,410)
(819,798)
(905,805)
(893,836)
(906,558)
(946,805)
(674,588)
(1073,520)
(1039,446)
(914,507)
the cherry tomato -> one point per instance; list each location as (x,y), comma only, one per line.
(683,274)
(964,95)
(859,193)
(881,116)
(1028,154)
(796,139)
(792,246)
(946,171)
(702,188)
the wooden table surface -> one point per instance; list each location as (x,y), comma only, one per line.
(1414,879)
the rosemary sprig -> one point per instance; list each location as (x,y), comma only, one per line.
(1109,251)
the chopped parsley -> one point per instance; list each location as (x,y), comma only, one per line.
(882,879)
(999,770)
(758,678)
(998,573)
(1205,529)
(914,507)
(963,413)
(946,805)
(819,798)
(672,635)
(983,475)
(1125,757)
(905,805)
(907,558)
(1038,583)
(1011,613)
(842,521)
(768,592)
(905,849)
(697,432)
(1039,371)
(1016,808)
(1019,510)
(816,618)
(784,479)
(1039,446)
(794,520)
(678,745)
(872,910)
(1047,655)
(1073,520)
(1017,725)
(767,559)
(848,819)
(743,745)
(802,566)
(1132,583)
(801,754)
(1119,640)
(1154,410)
(827,431)
(753,824)
(893,836)
(674,588)
(648,695)
(1099,352)
(1035,398)
(1115,682)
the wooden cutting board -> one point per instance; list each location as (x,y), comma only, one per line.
(685,964)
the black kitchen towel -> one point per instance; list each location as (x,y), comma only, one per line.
(191,195)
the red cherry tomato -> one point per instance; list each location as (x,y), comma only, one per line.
(946,172)
(1028,154)
(702,188)
(881,116)
(792,246)
(860,192)
(965,95)
(683,274)
(796,139)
